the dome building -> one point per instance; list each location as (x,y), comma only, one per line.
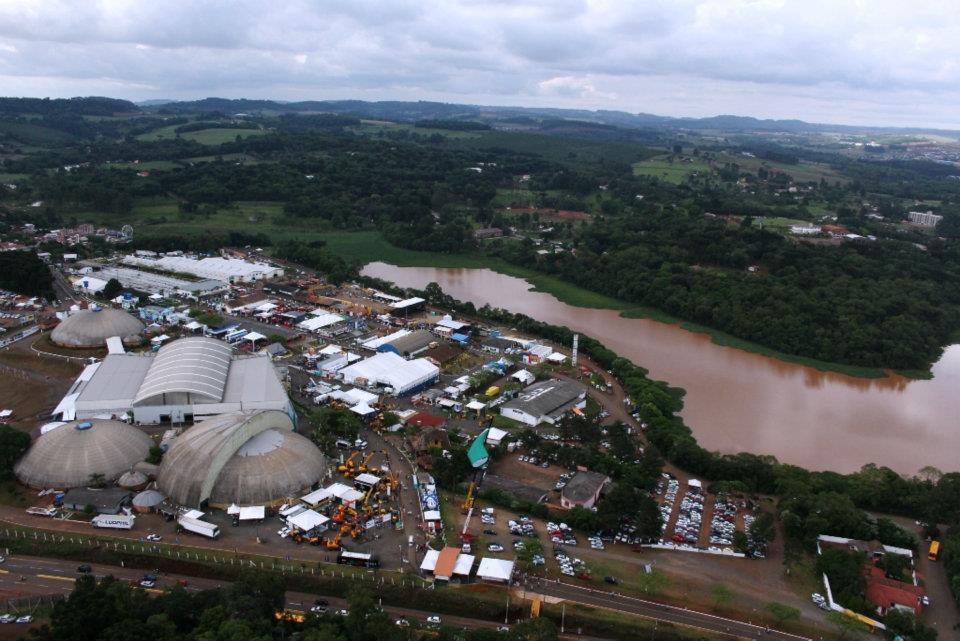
(246,458)
(67,456)
(92,327)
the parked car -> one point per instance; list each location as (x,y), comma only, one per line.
(84,569)
(343,613)
(26,618)
(490,532)
(7,618)
(611,580)
(495,547)
(434,619)
(318,609)
(148,580)
(403,623)
(154,537)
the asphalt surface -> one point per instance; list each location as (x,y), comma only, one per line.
(43,576)
(659,611)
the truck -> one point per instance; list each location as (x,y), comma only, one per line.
(42,511)
(113,521)
(197,526)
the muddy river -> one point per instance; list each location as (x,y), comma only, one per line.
(737,401)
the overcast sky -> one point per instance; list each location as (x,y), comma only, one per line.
(883,62)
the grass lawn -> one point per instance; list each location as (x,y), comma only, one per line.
(10,178)
(778,224)
(146,165)
(203,136)
(674,172)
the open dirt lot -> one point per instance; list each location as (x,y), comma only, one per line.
(33,384)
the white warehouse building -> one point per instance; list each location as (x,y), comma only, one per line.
(186,380)
(388,370)
(228,270)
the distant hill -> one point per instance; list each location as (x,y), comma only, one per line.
(517,116)
(91,106)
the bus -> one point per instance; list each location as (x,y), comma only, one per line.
(934,552)
(358,559)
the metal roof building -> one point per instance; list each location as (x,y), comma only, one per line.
(92,327)
(67,456)
(243,458)
(545,402)
(410,344)
(185,380)
(215,268)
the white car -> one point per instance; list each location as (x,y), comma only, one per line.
(283,532)
(495,547)
(403,623)
(434,619)
(343,613)
(154,537)
(7,618)
(27,618)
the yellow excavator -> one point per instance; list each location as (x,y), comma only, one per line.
(363,466)
(468,502)
(347,466)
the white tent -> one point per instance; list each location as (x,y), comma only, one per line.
(253,513)
(317,496)
(556,357)
(524,376)
(367,479)
(476,406)
(307,520)
(430,560)
(499,570)
(253,337)
(390,370)
(431,515)
(495,435)
(315,323)
(330,350)
(362,409)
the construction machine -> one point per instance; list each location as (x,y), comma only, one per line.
(347,466)
(468,502)
(366,462)
(334,543)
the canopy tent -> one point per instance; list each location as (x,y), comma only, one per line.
(490,569)
(307,520)
(495,436)
(478,453)
(253,337)
(557,357)
(253,513)
(362,409)
(367,479)
(317,496)
(115,345)
(476,405)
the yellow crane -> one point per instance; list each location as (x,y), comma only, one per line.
(468,502)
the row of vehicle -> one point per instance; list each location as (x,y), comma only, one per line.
(523,527)
(690,518)
(12,618)
(561,533)
(724,521)
(570,566)
(595,542)
(533,460)
(666,508)
(563,480)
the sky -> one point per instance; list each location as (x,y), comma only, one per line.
(868,62)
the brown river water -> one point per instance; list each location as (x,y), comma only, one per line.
(737,401)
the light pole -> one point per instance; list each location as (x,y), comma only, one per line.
(506,615)
(563,615)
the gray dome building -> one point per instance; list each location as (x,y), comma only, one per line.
(92,327)
(247,458)
(69,455)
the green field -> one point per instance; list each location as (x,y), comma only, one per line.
(12,178)
(203,136)
(145,165)
(34,134)
(778,224)
(675,172)
(565,150)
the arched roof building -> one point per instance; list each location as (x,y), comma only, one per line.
(187,371)
(67,456)
(249,457)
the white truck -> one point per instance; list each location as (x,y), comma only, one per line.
(113,521)
(197,526)
(42,511)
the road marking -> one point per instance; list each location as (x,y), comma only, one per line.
(4,571)
(55,577)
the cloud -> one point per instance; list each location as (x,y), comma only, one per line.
(774,58)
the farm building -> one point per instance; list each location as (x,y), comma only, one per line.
(246,458)
(410,345)
(185,380)
(545,402)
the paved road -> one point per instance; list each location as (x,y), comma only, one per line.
(53,576)
(659,611)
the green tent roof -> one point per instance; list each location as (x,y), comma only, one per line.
(478,452)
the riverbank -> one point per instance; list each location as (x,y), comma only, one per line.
(368,247)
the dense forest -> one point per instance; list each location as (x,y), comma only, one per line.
(23,272)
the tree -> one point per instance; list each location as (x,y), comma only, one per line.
(112,289)
(740,541)
(155,456)
(276,338)
(96,480)
(539,629)
(13,443)
(782,613)
(722,595)
(764,529)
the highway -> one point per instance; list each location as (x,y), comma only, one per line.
(43,577)
(659,611)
